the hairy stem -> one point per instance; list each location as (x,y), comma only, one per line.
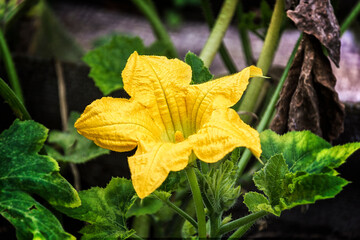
(10,67)
(149,11)
(215,220)
(217,34)
(209,17)
(179,211)
(241,222)
(14,102)
(198,202)
(252,93)
(241,231)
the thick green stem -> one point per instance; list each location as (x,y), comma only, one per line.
(209,17)
(148,10)
(10,67)
(13,100)
(215,220)
(198,202)
(241,222)
(217,34)
(241,231)
(266,57)
(179,211)
(350,18)
(265,119)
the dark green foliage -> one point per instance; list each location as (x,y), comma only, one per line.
(23,172)
(200,73)
(105,209)
(75,147)
(299,170)
(108,61)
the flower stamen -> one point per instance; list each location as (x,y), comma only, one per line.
(179,137)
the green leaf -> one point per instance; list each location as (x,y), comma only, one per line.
(23,172)
(299,170)
(309,188)
(105,210)
(149,205)
(286,190)
(31,219)
(270,179)
(305,151)
(75,147)
(235,155)
(200,73)
(108,61)
(219,186)
(257,202)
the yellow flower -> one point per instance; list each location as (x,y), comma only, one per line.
(167,119)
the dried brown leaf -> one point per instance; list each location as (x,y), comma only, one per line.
(308,100)
(317,18)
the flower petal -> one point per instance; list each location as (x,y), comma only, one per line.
(117,124)
(223,133)
(156,82)
(224,92)
(151,164)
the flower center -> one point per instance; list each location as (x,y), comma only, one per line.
(179,137)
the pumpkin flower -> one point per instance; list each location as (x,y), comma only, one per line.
(168,119)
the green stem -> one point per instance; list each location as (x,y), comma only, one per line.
(209,17)
(141,224)
(179,211)
(217,34)
(13,100)
(135,236)
(350,18)
(241,222)
(241,231)
(158,28)
(244,36)
(198,202)
(10,67)
(265,119)
(266,57)
(215,220)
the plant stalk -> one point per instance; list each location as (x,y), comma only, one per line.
(209,17)
(10,68)
(198,202)
(241,231)
(217,34)
(215,221)
(14,102)
(241,222)
(150,13)
(252,93)
(64,116)
(350,18)
(266,118)
(179,211)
